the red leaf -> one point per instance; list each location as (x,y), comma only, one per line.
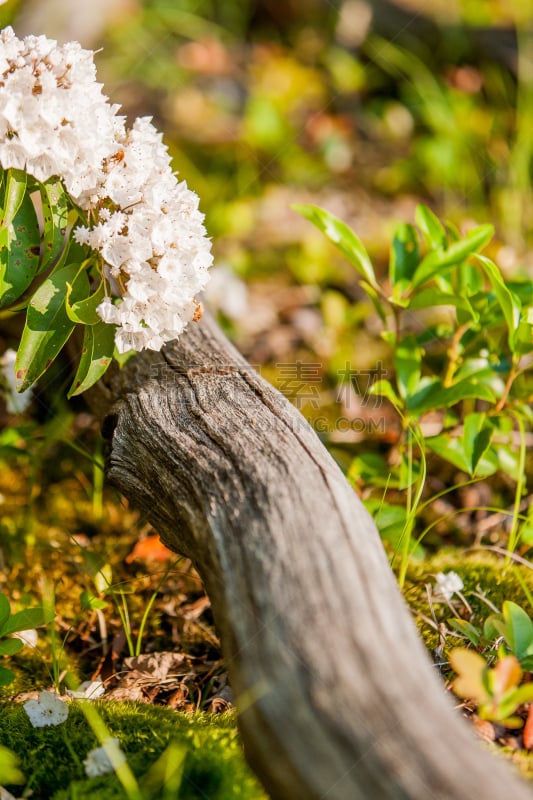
(150,549)
(528,729)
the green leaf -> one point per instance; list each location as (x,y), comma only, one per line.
(16,184)
(6,676)
(9,766)
(96,356)
(390,520)
(19,253)
(84,311)
(372,468)
(431,297)
(509,302)
(519,629)
(10,646)
(407,359)
(469,279)
(452,449)
(342,237)
(477,438)
(439,396)
(523,694)
(472,633)
(375,299)
(384,388)
(90,602)
(523,338)
(5,609)
(55,221)
(456,253)
(47,325)
(404,258)
(432,228)
(26,619)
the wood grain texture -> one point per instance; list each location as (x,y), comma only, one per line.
(336,694)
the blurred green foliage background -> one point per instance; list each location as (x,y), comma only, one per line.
(364,107)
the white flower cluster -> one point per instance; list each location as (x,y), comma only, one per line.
(54,119)
(448,583)
(146,226)
(154,239)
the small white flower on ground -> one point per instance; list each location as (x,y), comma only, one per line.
(448,583)
(15,403)
(29,637)
(88,690)
(105,759)
(48,709)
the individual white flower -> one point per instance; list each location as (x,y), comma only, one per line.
(29,637)
(48,709)
(16,403)
(105,759)
(448,583)
(88,690)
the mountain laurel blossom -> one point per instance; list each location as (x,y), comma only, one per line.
(88,690)
(448,583)
(104,760)
(48,709)
(143,226)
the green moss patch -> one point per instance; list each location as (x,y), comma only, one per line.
(487,582)
(51,758)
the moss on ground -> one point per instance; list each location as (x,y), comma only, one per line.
(487,582)
(51,758)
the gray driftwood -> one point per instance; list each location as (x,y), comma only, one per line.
(336,694)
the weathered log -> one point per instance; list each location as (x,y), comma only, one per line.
(337,697)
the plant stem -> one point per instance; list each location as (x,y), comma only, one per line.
(514,534)
(508,383)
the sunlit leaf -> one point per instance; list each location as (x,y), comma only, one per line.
(384,388)
(9,647)
(477,438)
(26,619)
(433,297)
(470,668)
(342,237)
(457,252)
(19,253)
(96,355)
(16,184)
(84,310)
(47,325)
(439,396)
(404,258)
(55,221)
(518,629)
(509,302)
(407,360)
(432,228)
